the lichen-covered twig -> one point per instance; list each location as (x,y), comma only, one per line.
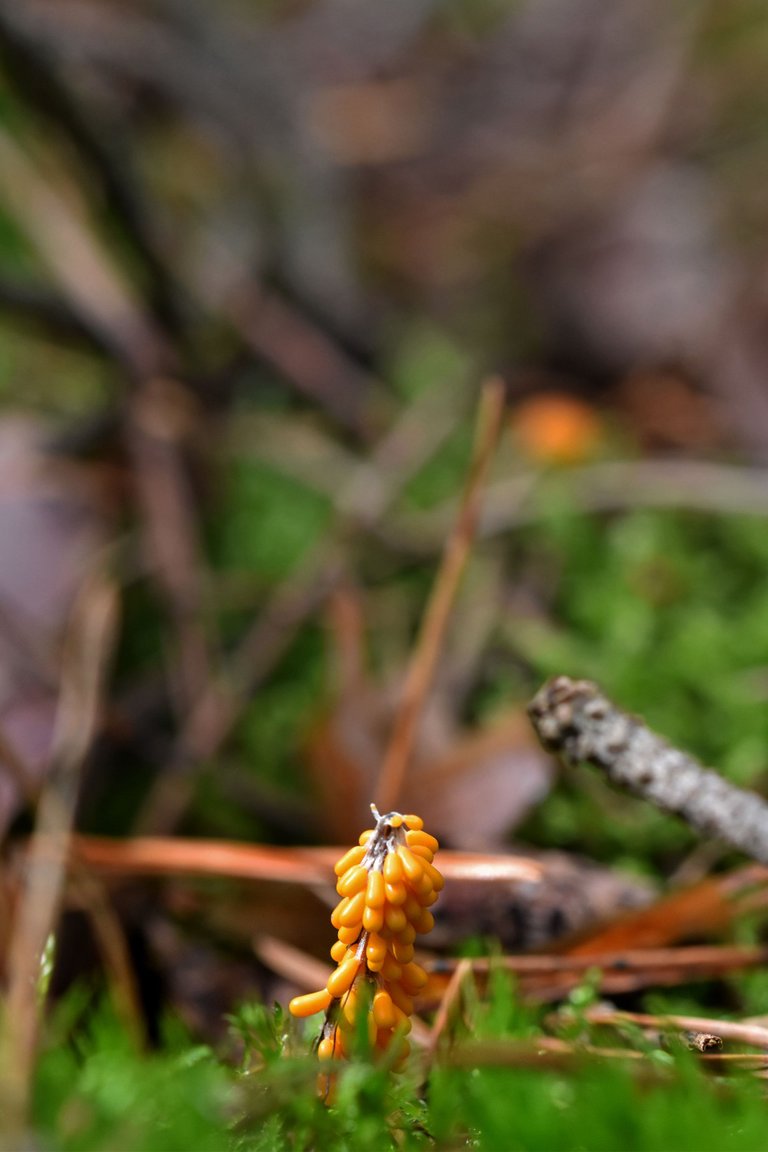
(574,719)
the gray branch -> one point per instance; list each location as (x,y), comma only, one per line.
(575,720)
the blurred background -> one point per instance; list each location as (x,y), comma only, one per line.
(256,258)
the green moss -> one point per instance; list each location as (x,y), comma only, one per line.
(94,1090)
(265,521)
(669,613)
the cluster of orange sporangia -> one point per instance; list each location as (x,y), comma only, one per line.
(387,883)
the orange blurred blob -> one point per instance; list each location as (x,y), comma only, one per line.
(557,429)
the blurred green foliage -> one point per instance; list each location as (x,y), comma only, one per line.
(95,1090)
(99,1092)
(669,613)
(265,522)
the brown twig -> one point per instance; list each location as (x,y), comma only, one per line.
(447,1006)
(87,891)
(574,719)
(548,977)
(85,661)
(735,1030)
(544,1051)
(551,1052)
(161,414)
(692,957)
(306,355)
(423,662)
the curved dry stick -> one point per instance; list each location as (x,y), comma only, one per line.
(575,720)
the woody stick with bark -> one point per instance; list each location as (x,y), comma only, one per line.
(573,719)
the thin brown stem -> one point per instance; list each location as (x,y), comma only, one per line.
(552,1052)
(88,647)
(736,1030)
(162,415)
(450,998)
(547,977)
(88,892)
(691,957)
(423,662)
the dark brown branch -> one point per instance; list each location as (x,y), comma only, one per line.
(575,720)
